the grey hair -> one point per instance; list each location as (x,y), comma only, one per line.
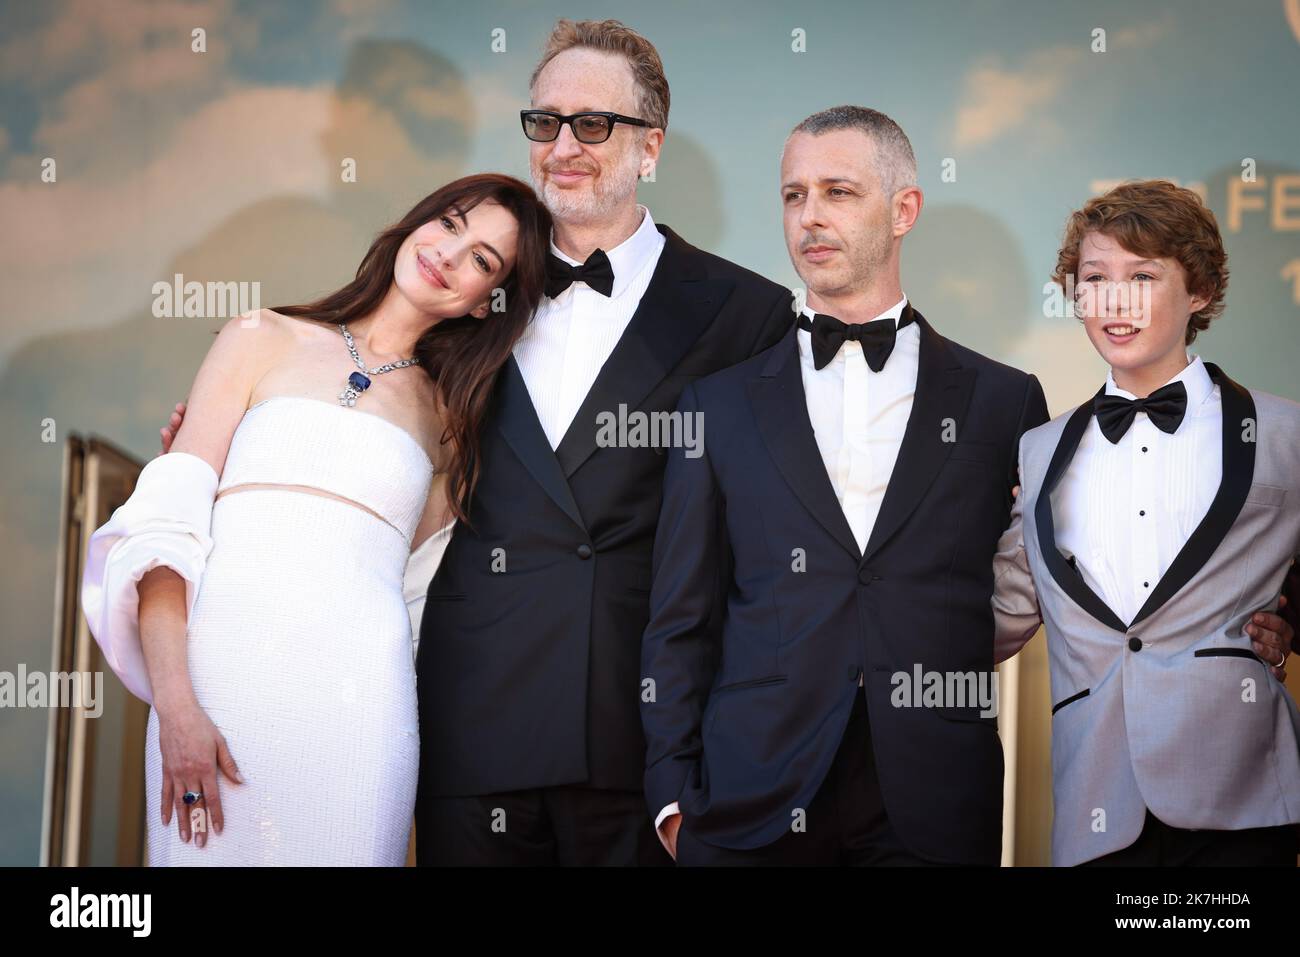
(895,161)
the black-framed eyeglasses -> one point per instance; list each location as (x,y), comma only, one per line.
(543,126)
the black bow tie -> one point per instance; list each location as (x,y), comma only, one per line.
(875,337)
(1165,408)
(596,272)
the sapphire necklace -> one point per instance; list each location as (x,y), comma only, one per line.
(359,382)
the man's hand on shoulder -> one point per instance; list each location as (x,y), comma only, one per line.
(168,431)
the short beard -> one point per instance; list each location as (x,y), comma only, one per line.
(869,263)
(607,194)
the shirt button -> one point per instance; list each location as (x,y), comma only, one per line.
(1144,448)
(1135,644)
(584,550)
(1142,512)
(1146,584)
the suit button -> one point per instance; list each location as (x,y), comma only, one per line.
(584,550)
(1135,644)
(854,671)
(865,576)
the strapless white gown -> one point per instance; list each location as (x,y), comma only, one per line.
(300,643)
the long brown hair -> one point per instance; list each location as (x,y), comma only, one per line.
(462,355)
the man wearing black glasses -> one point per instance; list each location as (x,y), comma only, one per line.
(543,126)
(532,750)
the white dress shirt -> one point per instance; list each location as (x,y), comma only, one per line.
(562,350)
(858,418)
(1125,510)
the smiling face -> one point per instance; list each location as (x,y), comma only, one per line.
(587,182)
(1148,341)
(450,265)
(840,227)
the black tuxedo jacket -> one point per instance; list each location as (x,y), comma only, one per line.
(746,718)
(529,660)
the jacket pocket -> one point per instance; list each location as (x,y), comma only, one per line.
(718,697)
(1227,653)
(986,453)
(1070,700)
(1271,495)
(752,683)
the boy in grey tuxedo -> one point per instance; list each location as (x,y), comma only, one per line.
(1151,522)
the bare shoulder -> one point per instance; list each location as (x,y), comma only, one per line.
(250,345)
(278,325)
(247,343)
(242,350)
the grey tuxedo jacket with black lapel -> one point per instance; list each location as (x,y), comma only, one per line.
(1171,711)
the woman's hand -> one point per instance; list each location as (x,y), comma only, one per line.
(193,751)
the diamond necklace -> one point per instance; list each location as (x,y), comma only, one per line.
(359,382)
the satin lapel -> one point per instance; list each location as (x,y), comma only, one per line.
(781,413)
(943,391)
(518,423)
(1071,581)
(1234,486)
(678,305)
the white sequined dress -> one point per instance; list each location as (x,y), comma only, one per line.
(299,637)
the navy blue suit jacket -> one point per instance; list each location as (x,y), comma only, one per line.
(755,663)
(530,641)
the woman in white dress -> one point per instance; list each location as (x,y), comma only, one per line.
(251,588)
